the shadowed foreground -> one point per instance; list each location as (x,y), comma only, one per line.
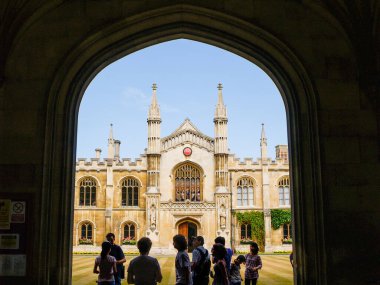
(276,270)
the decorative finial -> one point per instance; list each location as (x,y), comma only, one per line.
(111,124)
(220,86)
(154,86)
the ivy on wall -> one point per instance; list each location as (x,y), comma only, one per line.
(256,219)
(280,217)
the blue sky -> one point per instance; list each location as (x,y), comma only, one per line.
(187,74)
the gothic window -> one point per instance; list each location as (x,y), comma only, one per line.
(187,183)
(245,192)
(245,232)
(86,233)
(87,192)
(130,192)
(284,191)
(129,231)
(287,232)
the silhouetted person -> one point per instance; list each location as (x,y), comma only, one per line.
(106,264)
(291,259)
(117,252)
(229,252)
(144,269)
(235,277)
(200,262)
(220,274)
(182,261)
(252,265)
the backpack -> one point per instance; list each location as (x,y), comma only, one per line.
(202,268)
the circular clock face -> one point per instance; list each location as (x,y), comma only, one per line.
(187,151)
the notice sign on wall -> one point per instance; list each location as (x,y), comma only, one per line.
(12,265)
(5,214)
(9,241)
(18,211)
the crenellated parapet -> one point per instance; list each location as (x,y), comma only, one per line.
(248,163)
(138,164)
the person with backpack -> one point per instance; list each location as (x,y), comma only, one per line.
(201,263)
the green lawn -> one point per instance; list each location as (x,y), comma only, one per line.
(276,270)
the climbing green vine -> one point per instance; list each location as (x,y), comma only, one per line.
(256,219)
(280,217)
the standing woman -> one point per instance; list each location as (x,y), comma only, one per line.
(218,251)
(106,264)
(252,265)
(182,262)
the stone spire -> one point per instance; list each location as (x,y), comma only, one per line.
(220,124)
(154,145)
(154,110)
(221,110)
(111,143)
(263,144)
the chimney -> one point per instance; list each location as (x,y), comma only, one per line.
(117,149)
(282,152)
(97,153)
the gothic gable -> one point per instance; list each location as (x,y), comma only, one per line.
(187,133)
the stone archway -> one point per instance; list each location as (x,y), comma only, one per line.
(111,42)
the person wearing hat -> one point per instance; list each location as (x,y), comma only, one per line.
(235,277)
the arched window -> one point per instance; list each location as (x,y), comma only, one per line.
(245,192)
(287,233)
(130,192)
(245,233)
(129,236)
(86,233)
(188,183)
(284,191)
(87,192)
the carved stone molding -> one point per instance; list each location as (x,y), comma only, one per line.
(267,213)
(187,205)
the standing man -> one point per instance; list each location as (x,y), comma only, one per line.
(200,264)
(117,252)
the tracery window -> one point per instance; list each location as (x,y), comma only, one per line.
(188,183)
(129,232)
(86,233)
(87,192)
(287,232)
(245,232)
(245,192)
(130,192)
(284,192)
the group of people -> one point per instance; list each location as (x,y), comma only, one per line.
(145,270)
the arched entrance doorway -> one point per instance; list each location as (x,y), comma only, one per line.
(222,30)
(189,230)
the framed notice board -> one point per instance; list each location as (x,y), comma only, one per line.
(15,237)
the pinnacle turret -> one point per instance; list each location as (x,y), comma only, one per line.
(111,141)
(154,110)
(221,110)
(263,140)
(263,143)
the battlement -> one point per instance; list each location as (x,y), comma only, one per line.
(120,164)
(249,162)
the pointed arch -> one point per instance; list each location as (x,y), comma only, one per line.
(245,186)
(188,182)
